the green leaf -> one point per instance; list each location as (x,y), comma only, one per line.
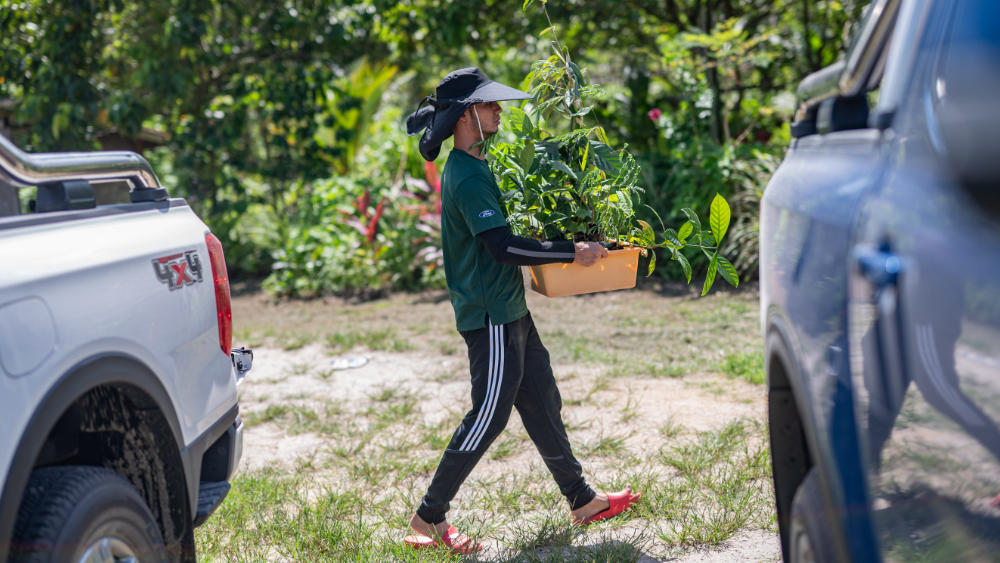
(526,4)
(719,218)
(652,264)
(520,123)
(685,231)
(577,74)
(728,272)
(692,216)
(605,157)
(648,237)
(710,276)
(526,83)
(560,166)
(513,168)
(527,155)
(602,135)
(546,30)
(685,265)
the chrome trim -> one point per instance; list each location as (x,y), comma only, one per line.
(817,87)
(237,452)
(866,138)
(851,77)
(910,24)
(23,169)
(869,48)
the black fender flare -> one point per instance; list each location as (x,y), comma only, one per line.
(122,371)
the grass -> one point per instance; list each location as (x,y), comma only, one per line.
(630,411)
(378,339)
(503,448)
(604,445)
(280,515)
(748,366)
(670,427)
(722,486)
(447,348)
(294,341)
(600,384)
(297,419)
(350,499)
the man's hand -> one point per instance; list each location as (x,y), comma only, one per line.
(588,253)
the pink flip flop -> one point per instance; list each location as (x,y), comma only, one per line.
(452,540)
(620,502)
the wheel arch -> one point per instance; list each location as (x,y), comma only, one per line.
(71,402)
(793,432)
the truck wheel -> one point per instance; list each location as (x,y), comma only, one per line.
(810,540)
(78,514)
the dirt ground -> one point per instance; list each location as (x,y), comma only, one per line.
(639,371)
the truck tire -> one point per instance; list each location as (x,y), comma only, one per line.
(810,540)
(80,514)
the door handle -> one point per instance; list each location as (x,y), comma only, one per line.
(880,267)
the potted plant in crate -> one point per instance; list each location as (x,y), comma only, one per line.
(562,180)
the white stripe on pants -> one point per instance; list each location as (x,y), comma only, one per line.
(495,378)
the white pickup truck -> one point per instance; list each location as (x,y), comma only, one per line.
(118,381)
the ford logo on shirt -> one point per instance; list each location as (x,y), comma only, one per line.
(487,213)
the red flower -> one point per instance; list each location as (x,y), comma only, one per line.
(373,225)
(362,204)
(654,114)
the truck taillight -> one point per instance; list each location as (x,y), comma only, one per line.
(223,305)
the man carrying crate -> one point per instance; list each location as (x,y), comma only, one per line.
(508,363)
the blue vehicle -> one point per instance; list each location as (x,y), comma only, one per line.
(880,295)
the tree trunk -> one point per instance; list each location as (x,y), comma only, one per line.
(713,79)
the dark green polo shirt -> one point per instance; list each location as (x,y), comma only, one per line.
(477,284)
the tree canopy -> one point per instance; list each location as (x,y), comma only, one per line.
(257,97)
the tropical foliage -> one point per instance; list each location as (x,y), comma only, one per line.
(268,108)
(575,186)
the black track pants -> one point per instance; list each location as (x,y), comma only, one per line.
(510,368)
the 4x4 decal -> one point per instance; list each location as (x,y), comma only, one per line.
(178,270)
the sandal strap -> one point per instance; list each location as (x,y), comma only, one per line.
(618,501)
(454,539)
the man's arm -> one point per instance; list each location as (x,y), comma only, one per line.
(506,248)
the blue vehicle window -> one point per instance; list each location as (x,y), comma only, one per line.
(966,65)
(977,21)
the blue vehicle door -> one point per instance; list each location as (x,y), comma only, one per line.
(925,318)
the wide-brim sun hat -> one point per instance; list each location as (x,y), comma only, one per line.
(457,91)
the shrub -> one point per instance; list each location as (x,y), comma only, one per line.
(353,236)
